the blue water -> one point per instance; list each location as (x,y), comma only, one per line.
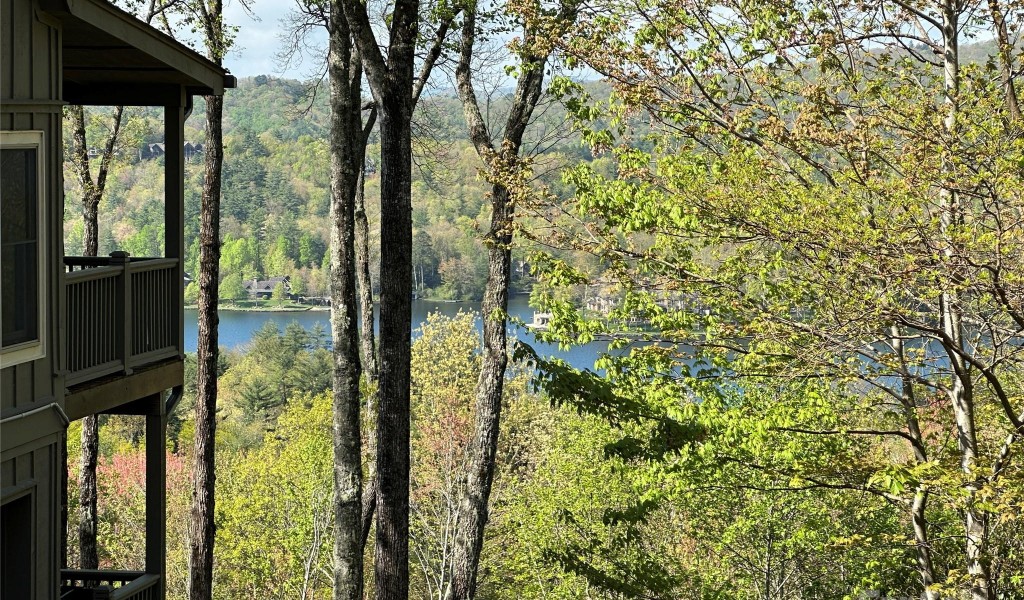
(236,327)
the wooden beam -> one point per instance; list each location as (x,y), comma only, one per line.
(174,204)
(134,94)
(156,497)
(105,396)
(142,406)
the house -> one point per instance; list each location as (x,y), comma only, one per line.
(263,289)
(541,321)
(82,336)
(149,151)
(193,150)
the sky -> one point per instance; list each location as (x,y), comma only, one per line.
(258,42)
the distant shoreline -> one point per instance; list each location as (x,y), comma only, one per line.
(310,307)
(235,308)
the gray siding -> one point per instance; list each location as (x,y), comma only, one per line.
(30,90)
(32,469)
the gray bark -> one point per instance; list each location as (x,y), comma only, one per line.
(365,283)
(961,392)
(366,335)
(482,450)
(210,18)
(87,547)
(391,559)
(394,88)
(391,84)
(344,75)
(919,505)
(202,527)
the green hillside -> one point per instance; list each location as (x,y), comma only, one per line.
(276,190)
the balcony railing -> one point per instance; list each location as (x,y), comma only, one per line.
(122,313)
(108,585)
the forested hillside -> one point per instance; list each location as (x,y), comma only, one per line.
(275,204)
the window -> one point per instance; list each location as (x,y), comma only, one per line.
(22,247)
(16,549)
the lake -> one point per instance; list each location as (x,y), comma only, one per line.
(237,327)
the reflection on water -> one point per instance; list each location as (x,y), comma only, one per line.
(236,327)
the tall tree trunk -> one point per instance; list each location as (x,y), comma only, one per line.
(391,556)
(481,454)
(961,391)
(87,550)
(90,210)
(345,128)
(92,193)
(1005,51)
(369,349)
(919,505)
(201,538)
(925,566)
(394,90)
(482,451)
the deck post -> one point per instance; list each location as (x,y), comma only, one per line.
(174,205)
(125,300)
(156,492)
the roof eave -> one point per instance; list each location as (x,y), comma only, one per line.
(201,76)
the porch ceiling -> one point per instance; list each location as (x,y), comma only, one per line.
(111,58)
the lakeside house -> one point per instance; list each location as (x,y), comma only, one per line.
(83,336)
(541,321)
(263,289)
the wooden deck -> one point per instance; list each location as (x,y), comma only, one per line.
(123,314)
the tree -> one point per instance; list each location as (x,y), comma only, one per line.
(274,539)
(347,143)
(208,17)
(445,365)
(363,278)
(92,193)
(395,91)
(192,293)
(502,163)
(231,288)
(348,136)
(424,261)
(257,399)
(832,188)
(279,294)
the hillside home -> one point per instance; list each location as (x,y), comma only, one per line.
(82,336)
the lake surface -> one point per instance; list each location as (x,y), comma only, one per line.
(236,327)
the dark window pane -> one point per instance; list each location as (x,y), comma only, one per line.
(19,246)
(16,549)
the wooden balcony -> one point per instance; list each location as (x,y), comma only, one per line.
(108,585)
(123,313)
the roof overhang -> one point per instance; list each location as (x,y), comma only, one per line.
(112,58)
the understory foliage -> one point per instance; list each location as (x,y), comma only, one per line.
(692,500)
(815,217)
(274,494)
